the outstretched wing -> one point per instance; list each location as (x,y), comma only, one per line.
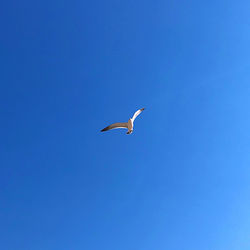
(116,125)
(137,113)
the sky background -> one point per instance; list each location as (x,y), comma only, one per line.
(70,68)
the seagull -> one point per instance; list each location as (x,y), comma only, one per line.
(128,125)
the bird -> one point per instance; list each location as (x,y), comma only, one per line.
(128,125)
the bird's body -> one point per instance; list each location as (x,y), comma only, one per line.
(128,125)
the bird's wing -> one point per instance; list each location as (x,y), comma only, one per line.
(116,125)
(137,113)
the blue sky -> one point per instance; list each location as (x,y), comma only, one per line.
(180,181)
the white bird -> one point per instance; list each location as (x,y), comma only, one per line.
(128,125)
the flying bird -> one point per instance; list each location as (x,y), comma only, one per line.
(128,125)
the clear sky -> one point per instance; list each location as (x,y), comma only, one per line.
(181,181)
